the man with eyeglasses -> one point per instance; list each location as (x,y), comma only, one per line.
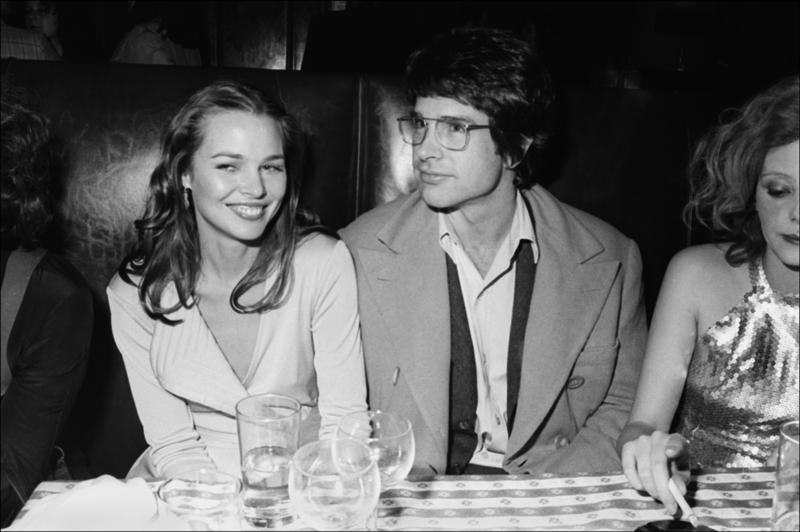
(506,326)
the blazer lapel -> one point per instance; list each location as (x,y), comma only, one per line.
(568,296)
(408,279)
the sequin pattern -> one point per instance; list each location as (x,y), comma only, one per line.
(743,379)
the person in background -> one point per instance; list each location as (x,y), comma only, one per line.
(23,44)
(146,42)
(506,326)
(231,291)
(725,328)
(42,17)
(47,312)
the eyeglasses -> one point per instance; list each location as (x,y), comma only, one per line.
(451,134)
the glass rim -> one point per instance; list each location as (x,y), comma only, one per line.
(201,511)
(294,405)
(371,414)
(784,430)
(327,443)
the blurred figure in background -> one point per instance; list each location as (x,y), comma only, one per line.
(23,44)
(47,312)
(726,323)
(42,17)
(146,42)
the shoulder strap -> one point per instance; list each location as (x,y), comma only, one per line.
(18,273)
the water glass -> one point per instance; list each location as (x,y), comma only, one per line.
(269,434)
(206,499)
(334,484)
(787,480)
(390,437)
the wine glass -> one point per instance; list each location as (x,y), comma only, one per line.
(334,484)
(392,442)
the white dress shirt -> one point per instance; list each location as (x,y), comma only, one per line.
(489,304)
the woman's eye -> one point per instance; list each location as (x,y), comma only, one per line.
(777,192)
(272,169)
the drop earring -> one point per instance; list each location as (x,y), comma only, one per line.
(187,197)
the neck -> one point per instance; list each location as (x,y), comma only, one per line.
(226,264)
(781,277)
(487,223)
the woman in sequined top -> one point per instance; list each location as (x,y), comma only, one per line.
(725,330)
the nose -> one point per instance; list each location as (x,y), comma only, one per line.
(429,148)
(795,214)
(252,184)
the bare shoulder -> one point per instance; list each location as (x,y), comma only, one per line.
(702,277)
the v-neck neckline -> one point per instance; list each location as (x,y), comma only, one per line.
(245,381)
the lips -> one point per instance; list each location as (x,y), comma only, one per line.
(794,239)
(248,212)
(432,178)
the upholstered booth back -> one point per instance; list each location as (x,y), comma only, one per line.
(617,154)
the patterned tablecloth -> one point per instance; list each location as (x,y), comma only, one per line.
(733,499)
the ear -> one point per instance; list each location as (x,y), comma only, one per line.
(186,180)
(524,146)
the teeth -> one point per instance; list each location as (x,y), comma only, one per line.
(247,210)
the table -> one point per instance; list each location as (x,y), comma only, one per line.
(723,499)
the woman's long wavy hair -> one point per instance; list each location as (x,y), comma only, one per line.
(26,189)
(728,161)
(168,247)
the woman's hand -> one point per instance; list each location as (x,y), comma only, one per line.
(650,461)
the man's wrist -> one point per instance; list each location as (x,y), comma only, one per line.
(631,432)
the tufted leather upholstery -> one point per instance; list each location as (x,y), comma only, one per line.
(618,154)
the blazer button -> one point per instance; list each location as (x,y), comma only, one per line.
(561,441)
(463,425)
(575,382)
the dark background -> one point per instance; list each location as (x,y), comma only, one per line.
(733,49)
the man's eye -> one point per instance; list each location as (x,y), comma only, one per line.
(456,127)
(418,123)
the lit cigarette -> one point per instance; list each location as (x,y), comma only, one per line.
(687,512)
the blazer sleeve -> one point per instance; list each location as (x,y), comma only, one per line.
(46,381)
(338,355)
(169,428)
(593,449)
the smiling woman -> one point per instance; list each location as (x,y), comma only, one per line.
(230,290)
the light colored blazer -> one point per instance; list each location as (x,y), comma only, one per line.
(584,341)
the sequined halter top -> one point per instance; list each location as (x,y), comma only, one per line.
(743,379)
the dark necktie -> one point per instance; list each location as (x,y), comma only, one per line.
(463,373)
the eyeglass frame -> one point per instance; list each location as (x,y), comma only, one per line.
(467,128)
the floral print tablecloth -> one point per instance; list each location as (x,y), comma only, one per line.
(739,499)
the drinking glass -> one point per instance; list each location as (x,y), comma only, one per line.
(334,484)
(206,499)
(269,434)
(391,440)
(787,480)
(389,436)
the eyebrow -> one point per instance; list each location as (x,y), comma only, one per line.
(459,118)
(779,175)
(237,156)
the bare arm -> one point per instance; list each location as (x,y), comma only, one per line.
(648,451)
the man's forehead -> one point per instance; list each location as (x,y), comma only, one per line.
(442,107)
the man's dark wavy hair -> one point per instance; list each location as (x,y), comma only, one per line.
(728,161)
(168,247)
(497,74)
(26,190)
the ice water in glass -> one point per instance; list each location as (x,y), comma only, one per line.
(265,471)
(269,434)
